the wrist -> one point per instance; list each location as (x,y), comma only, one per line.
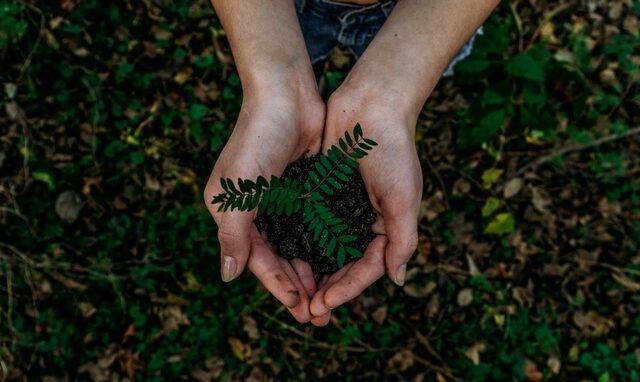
(371,101)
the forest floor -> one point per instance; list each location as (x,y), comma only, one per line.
(113,113)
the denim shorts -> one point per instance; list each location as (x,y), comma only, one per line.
(326,24)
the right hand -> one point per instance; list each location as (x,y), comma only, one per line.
(272,131)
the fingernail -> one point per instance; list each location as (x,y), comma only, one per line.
(228,270)
(400,274)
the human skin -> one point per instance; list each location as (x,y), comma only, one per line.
(282,118)
(385,92)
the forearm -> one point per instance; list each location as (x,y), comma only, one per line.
(267,43)
(406,59)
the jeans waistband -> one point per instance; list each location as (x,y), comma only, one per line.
(334,6)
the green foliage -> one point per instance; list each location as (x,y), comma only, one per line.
(287,196)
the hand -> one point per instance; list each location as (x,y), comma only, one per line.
(271,132)
(393,179)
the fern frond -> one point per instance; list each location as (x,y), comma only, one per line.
(333,169)
(281,196)
(327,231)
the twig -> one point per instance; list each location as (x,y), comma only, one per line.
(27,62)
(574,148)
(548,17)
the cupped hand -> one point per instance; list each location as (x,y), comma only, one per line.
(271,132)
(393,179)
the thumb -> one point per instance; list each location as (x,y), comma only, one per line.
(234,230)
(402,233)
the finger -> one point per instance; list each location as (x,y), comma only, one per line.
(359,277)
(265,265)
(318,307)
(322,320)
(305,274)
(301,311)
(402,230)
(234,231)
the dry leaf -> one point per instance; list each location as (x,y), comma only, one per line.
(68,206)
(473,353)
(465,297)
(512,187)
(250,327)
(380,314)
(402,360)
(554,365)
(540,200)
(416,291)
(531,372)
(626,282)
(240,350)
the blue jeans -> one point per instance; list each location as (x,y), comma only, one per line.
(327,23)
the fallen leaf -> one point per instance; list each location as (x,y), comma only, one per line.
(419,291)
(402,360)
(540,200)
(380,314)
(473,269)
(490,176)
(473,353)
(512,187)
(250,327)
(554,365)
(68,206)
(239,349)
(502,224)
(531,372)
(626,282)
(465,297)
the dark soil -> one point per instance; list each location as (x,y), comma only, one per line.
(291,237)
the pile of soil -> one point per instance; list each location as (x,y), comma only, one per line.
(291,237)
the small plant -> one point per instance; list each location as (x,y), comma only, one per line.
(288,196)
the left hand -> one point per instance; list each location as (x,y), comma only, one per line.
(393,179)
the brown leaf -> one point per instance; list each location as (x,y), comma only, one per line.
(513,187)
(250,327)
(419,291)
(465,297)
(68,206)
(239,349)
(473,353)
(531,372)
(402,360)
(380,314)
(626,282)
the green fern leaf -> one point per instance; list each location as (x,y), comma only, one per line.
(370,142)
(314,177)
(347,238)
(323,238)
(331,247)
(326,163)
(357,131)
(334,183)
(343,178)
(341,257)
(321,170)
(343,145)
(358,154)
(354,252)
(364,146)
(339,228)
(317,231)
(327,190)
(347,137)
